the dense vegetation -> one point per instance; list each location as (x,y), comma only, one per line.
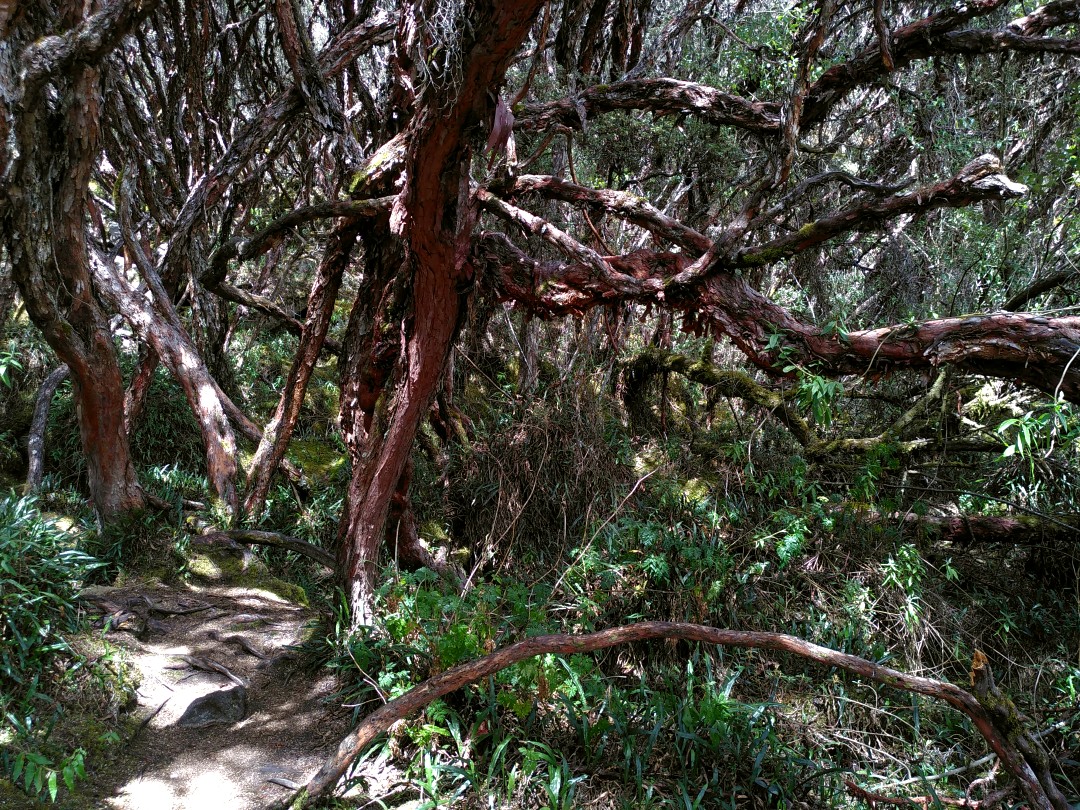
(546,318)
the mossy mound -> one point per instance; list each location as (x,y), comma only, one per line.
(221,567)
(317,458)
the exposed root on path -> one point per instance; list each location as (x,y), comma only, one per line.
(225,720)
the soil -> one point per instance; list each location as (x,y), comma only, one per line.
(290,725)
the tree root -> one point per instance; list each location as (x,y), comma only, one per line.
(233,537)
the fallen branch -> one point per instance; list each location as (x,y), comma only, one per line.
(240,642)
(1000,740)
(979,529)
(233,537)
(874,799)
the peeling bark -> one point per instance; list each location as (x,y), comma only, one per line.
(1032,349)
(178,352)
(35,445)
(434,219)
(43,215)
(622,204)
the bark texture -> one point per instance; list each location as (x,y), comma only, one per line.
(35,445)
(320,308)
(433,219)
(51,106)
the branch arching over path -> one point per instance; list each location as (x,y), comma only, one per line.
(1006,743)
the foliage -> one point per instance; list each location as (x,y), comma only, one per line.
(9,361)
(567,504)
(41,570)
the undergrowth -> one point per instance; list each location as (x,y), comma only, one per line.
(749,539)
(43,672)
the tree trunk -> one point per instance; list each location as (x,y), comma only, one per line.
(320,308)
(35,445)
(135,397)
(44,226)
(177,351)
(7,298)
(396,354)
(396,359)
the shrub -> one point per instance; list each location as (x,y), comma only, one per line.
(40,573)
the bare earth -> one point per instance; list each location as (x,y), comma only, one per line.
(289,728)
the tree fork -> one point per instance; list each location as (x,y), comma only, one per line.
(44,225)
(433,217)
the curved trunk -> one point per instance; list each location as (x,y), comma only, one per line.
(44,227)
(36,443)
(379,460)
(992,714)
(396,353)
(398,346)
(176,350)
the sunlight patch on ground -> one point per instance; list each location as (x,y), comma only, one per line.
(146,793)
(212,789)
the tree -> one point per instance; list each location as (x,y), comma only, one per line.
(812,171)
(50,131)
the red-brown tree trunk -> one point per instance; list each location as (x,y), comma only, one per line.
(43,223)
(383,457)
(320,308)
(396,359)
(397,348)
(175,349)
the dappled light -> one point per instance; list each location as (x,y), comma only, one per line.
(539,403)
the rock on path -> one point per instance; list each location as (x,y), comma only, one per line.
(223,762)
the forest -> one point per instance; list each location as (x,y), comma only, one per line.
(540,404)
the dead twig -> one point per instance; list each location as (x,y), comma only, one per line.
(240,642)
(209,665)
(873,799)
(146,721)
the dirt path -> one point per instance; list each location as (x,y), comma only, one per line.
(287,728)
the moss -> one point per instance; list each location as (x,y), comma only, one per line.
(761,258)
(145,576)
(363,176)
(221,567)
(316,458)
(434,530)
(696,490)
(12,798)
